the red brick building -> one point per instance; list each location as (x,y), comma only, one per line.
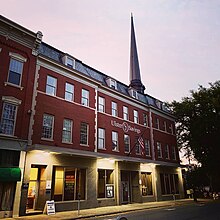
(94,138)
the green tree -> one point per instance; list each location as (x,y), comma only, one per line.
(198,128)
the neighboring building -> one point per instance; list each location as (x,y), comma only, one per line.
(93,137)
(18,50)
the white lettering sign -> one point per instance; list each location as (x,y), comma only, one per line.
(125,126)
(50,207)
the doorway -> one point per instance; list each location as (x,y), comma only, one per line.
(125,187)
(36,189)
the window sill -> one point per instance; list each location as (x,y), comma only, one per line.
(101,148)
(84,145)
(8,135)
(63,142)
(13,85)
(46,139)
(115,150)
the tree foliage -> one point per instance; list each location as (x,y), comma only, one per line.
(198,126)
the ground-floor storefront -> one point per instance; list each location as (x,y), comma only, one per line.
(95,181)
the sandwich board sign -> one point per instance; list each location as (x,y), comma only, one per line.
(50,207)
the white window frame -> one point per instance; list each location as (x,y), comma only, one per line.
(136,117)
(85,97)
(18,58)
(113,84)
(159,150)
(84,134)
(129,144)
(125,113)
(9,119)
(48,86)
(68,92)
(101,138)
(101,104)
(115,144)
(157,123)
(70,62)
(165,126)
(69,131)
(52,128)
(114,109)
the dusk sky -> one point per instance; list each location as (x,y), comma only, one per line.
(178,41)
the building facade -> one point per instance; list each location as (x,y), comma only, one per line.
(87,136)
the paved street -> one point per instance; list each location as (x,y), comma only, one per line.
(200,211)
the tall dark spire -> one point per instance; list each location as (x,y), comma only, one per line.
(135,76)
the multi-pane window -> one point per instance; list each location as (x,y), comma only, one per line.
(70,62)
(69,92)
(157,123)
(169,183)
(105,183)
(145,119)
(101,138)
(146,184)
(167,154)
(114,109)
(85,97)
(136,120)
(125,113)
(8,118)
(69,183)
(165,125)
(171,129)
(127,143)
(84,131)
(51,85)
(138,146)
(15,72)
(115,145)
(67,131)
(173,153)
(159,150)
(101,106)
(147,147)
(113,84)
(47,131)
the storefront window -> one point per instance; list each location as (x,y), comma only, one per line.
(69,184)
(169,183)
(105,184)
(146,184)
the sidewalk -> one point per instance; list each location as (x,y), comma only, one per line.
(109,210)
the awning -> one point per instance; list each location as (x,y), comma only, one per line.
(10,174)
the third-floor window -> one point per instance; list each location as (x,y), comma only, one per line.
(101,106)
(136,120)
(85,97)
(51,85)
(114,109)
(69,92)
(125,113)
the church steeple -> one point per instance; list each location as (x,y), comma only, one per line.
(135,76)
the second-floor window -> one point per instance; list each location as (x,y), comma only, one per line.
(167,155)
(101,138)
(147,147)
(173,153)
(127,143)
(69,92)
(85,97)
(114,109)
(67,131)
(15,72)
(159,150)
(84,131)
(115,145)
(8,118)
(51,85)
(125,113)
(47,131)
(136,119)
(101,106)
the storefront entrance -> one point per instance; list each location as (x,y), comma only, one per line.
(125,187)
(36,189)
